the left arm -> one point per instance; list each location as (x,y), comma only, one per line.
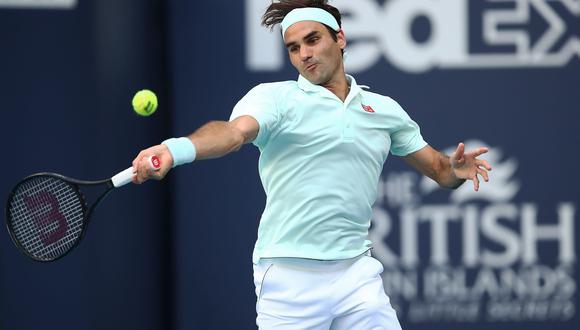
(451,171)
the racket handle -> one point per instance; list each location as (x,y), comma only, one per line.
(126,176)
(122,178)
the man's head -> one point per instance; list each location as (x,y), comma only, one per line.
(312,35)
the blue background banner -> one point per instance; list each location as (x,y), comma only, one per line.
(176,254)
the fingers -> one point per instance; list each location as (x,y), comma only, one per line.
(484,163)
(137,159)
(471,158)
(475,182)
(143,168)
(458,154)
(479,172)
(483,174)
(144,171)
(457,159)
(140,171)
(138,167)
(481,166)
(480,151)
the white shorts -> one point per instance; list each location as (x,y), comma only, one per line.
(310,294)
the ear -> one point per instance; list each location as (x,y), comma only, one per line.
(341,39)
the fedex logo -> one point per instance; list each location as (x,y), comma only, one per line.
(503,30)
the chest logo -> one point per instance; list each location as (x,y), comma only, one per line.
(368,108)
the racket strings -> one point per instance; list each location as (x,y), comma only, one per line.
(46,216)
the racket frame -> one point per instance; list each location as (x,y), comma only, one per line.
(87,210)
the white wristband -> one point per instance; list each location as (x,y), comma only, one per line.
(182,150)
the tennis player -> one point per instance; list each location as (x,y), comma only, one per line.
(323,141)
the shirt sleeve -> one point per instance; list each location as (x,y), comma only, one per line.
(259,103)
(406,138)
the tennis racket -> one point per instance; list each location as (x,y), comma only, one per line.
(47,214)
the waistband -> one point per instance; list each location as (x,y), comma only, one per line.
(312,263)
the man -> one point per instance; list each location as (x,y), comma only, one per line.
(323,143)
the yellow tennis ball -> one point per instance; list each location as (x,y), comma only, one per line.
(145,102)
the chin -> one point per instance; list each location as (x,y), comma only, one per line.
(314,79)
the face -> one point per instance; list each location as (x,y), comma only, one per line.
(314,53)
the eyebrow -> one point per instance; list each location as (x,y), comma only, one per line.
(309,35)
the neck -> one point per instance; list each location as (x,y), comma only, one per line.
(338,87)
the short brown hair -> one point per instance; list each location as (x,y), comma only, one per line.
(279,9)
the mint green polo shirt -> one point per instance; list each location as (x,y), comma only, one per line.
(320,162)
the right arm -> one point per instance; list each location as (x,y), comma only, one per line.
(218,138)
(213,140)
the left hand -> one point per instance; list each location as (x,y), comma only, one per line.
(467,166)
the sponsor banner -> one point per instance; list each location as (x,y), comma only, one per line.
(421,35)
(475,257)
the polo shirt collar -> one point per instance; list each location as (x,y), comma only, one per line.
(307,86)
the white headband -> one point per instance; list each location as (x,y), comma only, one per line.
(309,14)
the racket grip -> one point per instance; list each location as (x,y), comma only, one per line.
(126,176)
(122,178)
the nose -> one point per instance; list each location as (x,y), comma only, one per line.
(305,53)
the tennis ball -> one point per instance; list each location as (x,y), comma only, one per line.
(145,102)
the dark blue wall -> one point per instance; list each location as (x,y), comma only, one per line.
(66,82)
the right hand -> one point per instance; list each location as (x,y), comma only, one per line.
(142,168)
